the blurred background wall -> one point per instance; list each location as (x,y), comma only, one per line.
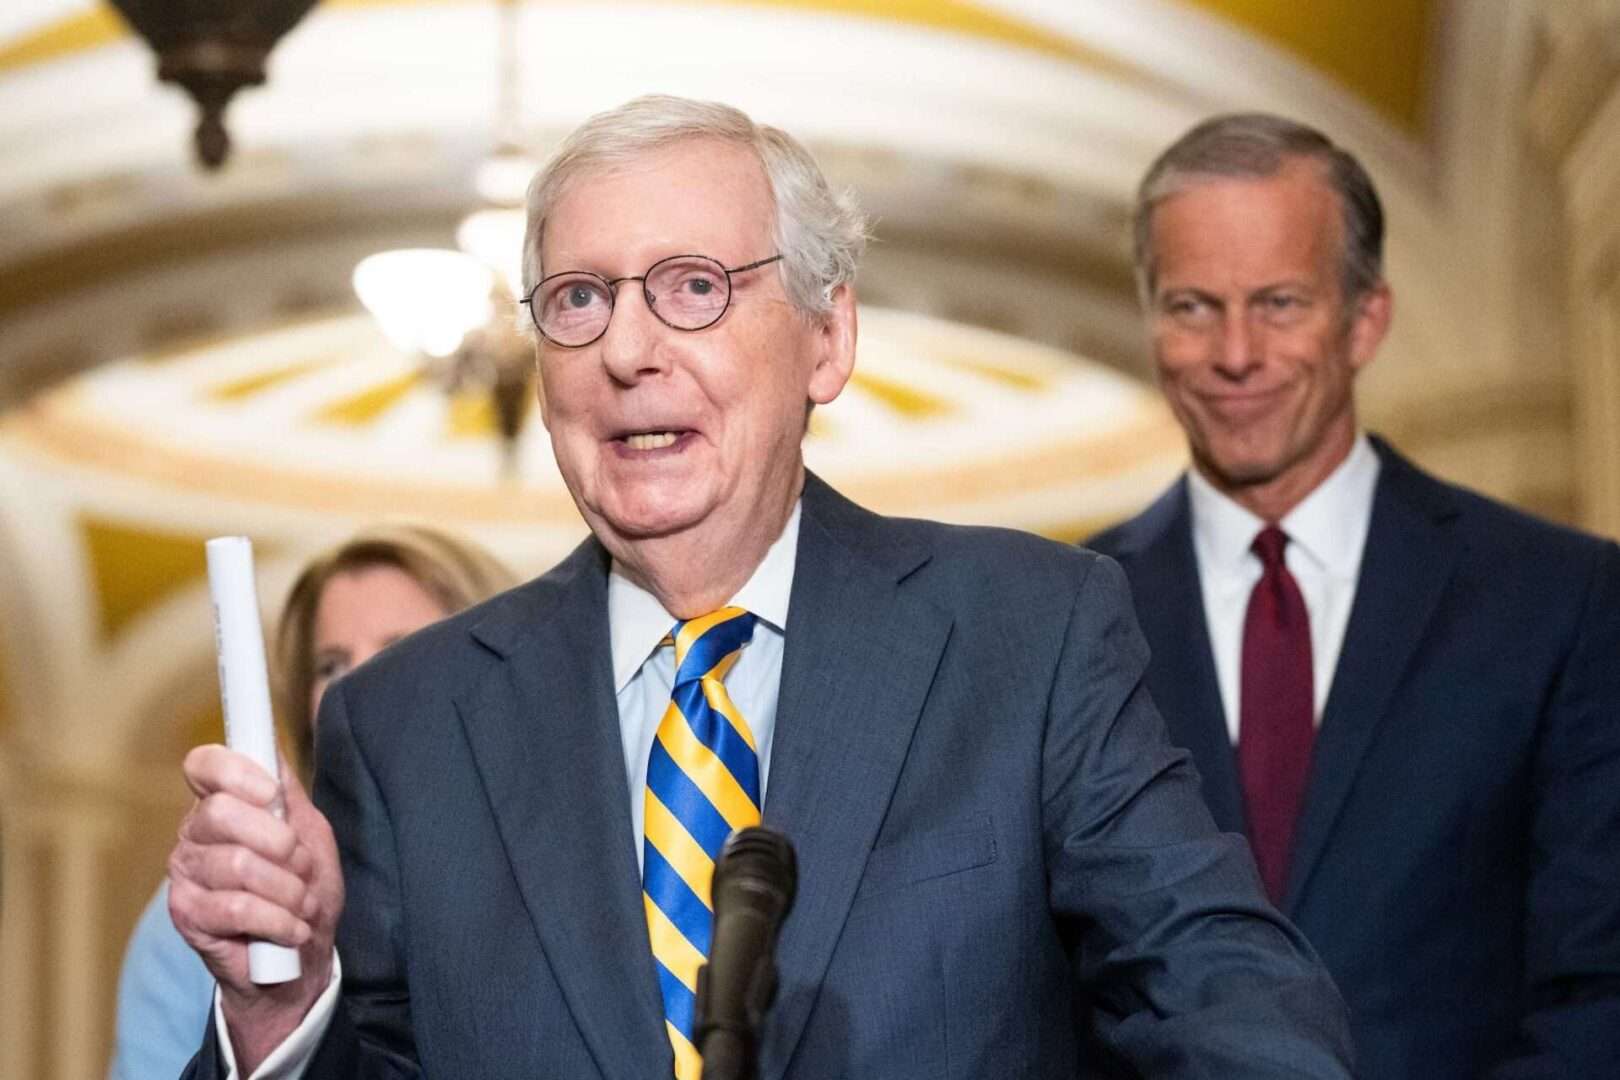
(184,353)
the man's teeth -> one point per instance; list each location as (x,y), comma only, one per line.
(651,440)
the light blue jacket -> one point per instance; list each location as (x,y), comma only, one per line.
(165,995)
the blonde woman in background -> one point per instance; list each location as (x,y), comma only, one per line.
(348,604)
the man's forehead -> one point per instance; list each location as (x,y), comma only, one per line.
(1298,185)
(680,192)
(1294,207)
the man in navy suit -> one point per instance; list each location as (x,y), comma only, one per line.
(947,722)
(1406,695)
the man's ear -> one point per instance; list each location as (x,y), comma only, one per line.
(1369,324)
(834,347)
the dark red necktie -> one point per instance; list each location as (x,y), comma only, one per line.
(1275,726)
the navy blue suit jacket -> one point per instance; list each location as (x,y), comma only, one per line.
(986,811)
(1457,860)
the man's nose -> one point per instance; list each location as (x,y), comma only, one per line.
(1239,350)
(633,344)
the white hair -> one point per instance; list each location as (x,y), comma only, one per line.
(820,233)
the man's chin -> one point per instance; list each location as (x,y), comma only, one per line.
(642,523)
(1238,472)
(1250,474)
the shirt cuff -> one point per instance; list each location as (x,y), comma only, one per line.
(289,1060)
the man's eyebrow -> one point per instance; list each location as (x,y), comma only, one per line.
(1289,285)
(1190,290)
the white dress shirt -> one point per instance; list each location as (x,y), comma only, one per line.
(1327,533)
(643,678)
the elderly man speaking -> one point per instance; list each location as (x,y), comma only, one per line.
(994,836)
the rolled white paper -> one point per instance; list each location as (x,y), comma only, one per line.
(244,693)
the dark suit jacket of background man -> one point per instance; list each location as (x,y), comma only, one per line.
(962,747)
(1457,859)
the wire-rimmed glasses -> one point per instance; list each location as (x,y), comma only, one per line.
(572,308)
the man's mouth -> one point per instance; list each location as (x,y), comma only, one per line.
(650,440)
(1244,401)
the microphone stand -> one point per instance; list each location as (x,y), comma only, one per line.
(730,1048)
(754,882)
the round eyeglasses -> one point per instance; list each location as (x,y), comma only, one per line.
(572,308)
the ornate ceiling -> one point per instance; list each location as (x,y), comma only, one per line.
(1379,49)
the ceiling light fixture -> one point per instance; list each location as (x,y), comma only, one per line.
(212,48)
(456,309)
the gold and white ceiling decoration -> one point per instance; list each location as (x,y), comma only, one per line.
(325,418)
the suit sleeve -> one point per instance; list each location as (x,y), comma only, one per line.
(1571,1025)
(370,1036)
(1185,968)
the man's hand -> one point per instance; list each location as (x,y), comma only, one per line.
(239,874)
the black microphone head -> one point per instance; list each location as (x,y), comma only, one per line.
(759,861)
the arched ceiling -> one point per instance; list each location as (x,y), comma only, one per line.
(1377,49)
(1021,124)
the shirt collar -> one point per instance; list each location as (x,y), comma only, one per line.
(637,622)
(1329,525)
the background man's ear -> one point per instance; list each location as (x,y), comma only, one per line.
(1374,309)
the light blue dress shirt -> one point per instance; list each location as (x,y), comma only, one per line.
(164,996)
(644,670)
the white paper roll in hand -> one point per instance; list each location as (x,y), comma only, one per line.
(244,693)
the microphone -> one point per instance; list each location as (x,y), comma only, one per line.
(754,882)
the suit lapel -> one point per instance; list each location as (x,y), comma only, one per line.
(1181,676)
(545,735)
(1410,553)
(860,658)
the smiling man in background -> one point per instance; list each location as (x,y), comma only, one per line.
(1407,696)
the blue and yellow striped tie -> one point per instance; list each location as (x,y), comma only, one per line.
(702,783)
